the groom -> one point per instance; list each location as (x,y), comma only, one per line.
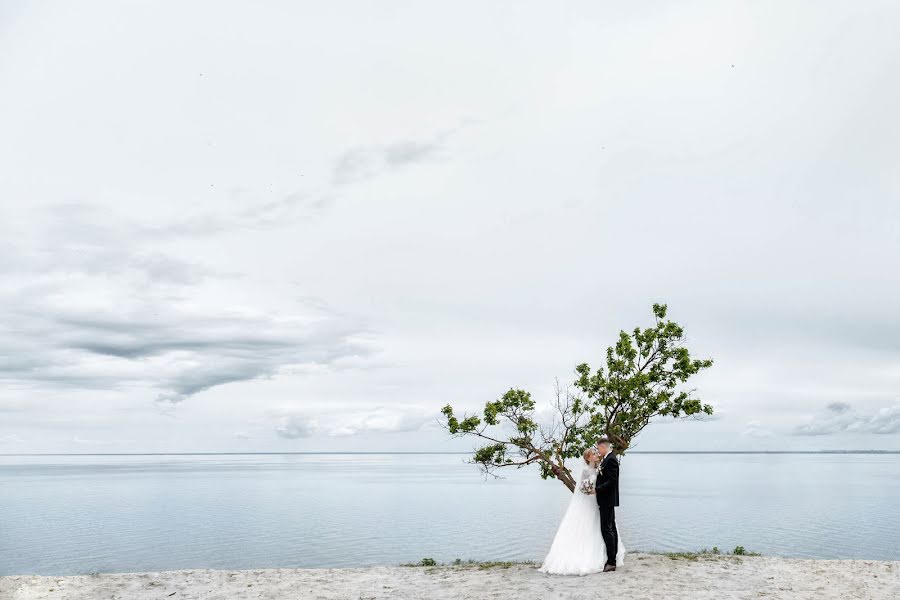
(607,492)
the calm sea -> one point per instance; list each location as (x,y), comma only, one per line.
(83,514)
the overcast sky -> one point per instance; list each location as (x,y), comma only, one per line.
(302,226)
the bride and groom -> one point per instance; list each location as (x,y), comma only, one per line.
(587,540)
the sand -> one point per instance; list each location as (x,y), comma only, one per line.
(644,576)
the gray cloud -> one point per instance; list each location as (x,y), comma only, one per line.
(838,407)
(96,309)
(364,163)
(841,418)
(354,166)
(100,230)
(400,154)
(159,267)
(292,208)
(175,349)
(294,427)
(87,240)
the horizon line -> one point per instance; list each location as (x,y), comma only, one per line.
(313,452)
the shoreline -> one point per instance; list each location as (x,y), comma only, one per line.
(643,576)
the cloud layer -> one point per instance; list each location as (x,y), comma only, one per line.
(286,209)
(100,307)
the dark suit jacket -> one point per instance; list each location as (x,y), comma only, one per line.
(607,486)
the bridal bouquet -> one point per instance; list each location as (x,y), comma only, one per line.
(587,486)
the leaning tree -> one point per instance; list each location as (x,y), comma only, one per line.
(643,378)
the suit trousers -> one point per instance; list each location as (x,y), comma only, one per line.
(610,533)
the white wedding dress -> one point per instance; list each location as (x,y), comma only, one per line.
(578,547)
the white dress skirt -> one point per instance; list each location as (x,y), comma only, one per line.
(578,547)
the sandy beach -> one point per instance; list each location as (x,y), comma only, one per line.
(644,576)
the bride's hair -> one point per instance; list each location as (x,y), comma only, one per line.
(588,452)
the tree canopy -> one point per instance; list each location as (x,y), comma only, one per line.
(643,378)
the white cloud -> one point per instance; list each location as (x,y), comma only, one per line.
(755,429)
(295,426)
(11,439)
(82,441)
(343,424)
(840,417)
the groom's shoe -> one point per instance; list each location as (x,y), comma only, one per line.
(608,568)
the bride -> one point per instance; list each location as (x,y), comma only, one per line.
(578,547)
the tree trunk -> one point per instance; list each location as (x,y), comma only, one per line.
(619,443)
(558,470)
(564,476)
